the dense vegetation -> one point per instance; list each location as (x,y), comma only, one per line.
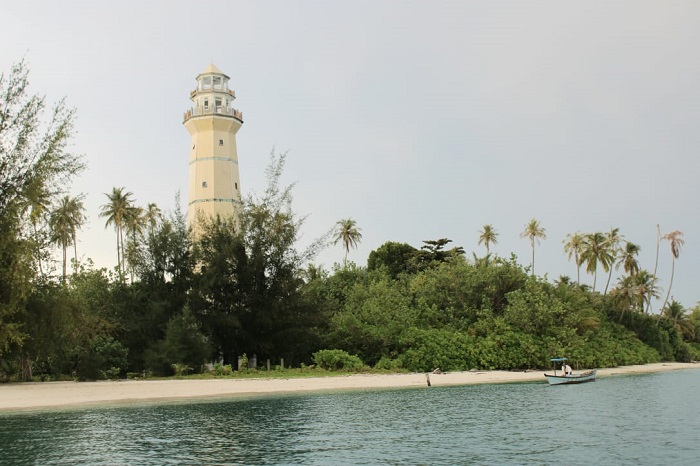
(242,292)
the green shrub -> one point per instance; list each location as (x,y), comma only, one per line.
(112,373)
(181,369)
(243,363)
(220,369)
(388,364)
(336,360)
(105,359)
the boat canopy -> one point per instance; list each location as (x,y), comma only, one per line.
(558,359)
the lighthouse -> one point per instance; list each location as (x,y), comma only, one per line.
(214,182)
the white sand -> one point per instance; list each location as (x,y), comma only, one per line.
(26,396)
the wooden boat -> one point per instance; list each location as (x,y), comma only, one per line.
(566,376)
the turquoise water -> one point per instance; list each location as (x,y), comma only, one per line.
(642,419)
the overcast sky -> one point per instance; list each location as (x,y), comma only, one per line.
(420,120)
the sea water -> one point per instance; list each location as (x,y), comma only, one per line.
(634,419)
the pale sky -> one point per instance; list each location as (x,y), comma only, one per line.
(420,120)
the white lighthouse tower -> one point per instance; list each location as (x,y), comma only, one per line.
(214,185)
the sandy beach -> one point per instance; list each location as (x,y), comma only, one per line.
(48,395)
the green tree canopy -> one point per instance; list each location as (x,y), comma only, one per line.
(35,167)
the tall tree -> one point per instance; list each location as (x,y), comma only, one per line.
(38,198)
(595,251)
(34,158)
(656,262)
(614,238)
(626,296)
(153,216)
(647,288)
(247,288)
(65,221)
(488,236)
(534,231)
(628,258)
(681,321)
(117,211)
(347,233)
(134,226)
(572,246)
(675,240)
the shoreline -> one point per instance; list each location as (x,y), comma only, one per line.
(33,396)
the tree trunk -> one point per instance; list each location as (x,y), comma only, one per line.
(578,270)
(670,284)
(608,282)
(26,364)
(656,264)
(75,254)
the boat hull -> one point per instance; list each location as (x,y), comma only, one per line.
(583,377)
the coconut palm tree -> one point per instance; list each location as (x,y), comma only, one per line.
(596,250)
(614,237)
(116,211)
(488,236)
(675,240)
(677,314)
(134,225)
(656,262)
(153,216)
(626,295)
(646,288)
(628,258)
(347,233)
(572,246)
(534,231)
(65,220)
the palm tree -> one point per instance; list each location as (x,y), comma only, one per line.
(675,240)
(153,216)
(488,236)
(676,313)
(626,295)
(596,251)
(534,231)
(656,263)
(628,259)
(64,222)
(348,234)
(646,288)
(116,211)
(134,223)
(572,246)
(614,237)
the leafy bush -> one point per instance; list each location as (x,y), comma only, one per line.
(336,360)
(389,364)
(105,359)
(429,349)
(181,369)
(221,369)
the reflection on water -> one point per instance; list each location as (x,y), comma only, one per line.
(646,419)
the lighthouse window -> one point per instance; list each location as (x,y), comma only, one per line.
(221,142)
(217,82)
(218,104)
(236,186)
(204,184)
(206,104)
(206,82)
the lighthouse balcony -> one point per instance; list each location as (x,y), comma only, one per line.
(230,92)
(213,110)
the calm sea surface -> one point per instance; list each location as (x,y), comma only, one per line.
(640,419)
